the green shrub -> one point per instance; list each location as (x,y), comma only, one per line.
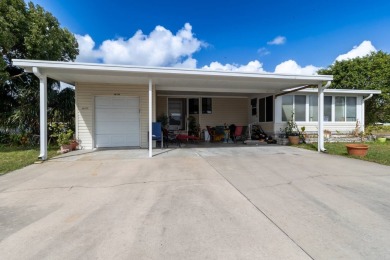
(65,138)
(377,130)
(5,138)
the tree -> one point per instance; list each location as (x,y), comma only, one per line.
(368,72)
(29,32)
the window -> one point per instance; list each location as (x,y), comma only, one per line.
(262,110)
(193,106)
(295,103)
(351,108)
(287,107)
(313,108)
(327,108)
(266,109)
(300,107)
(345,109)
(207,106)
(254,106)
(269,112)
(340,109)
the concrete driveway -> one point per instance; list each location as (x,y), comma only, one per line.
(265,202)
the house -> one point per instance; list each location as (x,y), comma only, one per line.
(116,104)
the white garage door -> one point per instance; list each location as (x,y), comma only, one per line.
(117,121)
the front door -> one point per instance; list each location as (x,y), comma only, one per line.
(177,113)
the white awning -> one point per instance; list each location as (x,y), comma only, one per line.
(171,79)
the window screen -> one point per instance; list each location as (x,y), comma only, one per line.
(269,109)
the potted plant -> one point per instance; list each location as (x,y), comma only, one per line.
(292,131)
(163,119)
(64,140)
(357,149)
(193,127)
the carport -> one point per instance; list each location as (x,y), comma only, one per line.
(148,80)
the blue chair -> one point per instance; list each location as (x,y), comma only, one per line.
(157,133)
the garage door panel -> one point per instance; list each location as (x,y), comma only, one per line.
(107,129)
(116,102)
(117,121)
(115,115)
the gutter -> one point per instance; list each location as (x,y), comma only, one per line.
(367,98)
(321,143)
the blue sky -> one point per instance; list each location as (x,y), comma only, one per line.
(231,33)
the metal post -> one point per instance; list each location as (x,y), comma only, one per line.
(150,118)
(320,118)
(42,113)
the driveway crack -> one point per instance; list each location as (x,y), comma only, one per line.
(102,187)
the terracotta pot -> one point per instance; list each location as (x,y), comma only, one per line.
(74,145)
(66,148)
(357,149)
(381,139)
(293,139)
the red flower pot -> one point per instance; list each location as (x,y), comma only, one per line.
(357,149)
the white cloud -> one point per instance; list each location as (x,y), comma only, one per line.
(86,49)
(252,66)
(263,51)
(159,48)
(363,49)
(292,67)
(277,41)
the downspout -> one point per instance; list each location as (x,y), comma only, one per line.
(321,89)
(42,113)
(362,120)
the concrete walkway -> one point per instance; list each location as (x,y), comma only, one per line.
(265,202)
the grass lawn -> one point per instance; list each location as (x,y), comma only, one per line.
(15,157)
(377,152)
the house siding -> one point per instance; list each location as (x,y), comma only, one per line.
(85,109)
(224,110)
(161,105)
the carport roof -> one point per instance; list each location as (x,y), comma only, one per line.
(171,79)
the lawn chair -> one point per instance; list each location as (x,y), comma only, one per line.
(237,133)
(240,133)
(157,133)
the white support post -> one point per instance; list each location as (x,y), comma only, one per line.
(42,113)
(320,118)
(150,117)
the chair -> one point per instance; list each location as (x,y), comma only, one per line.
(232,130)
(211,133)
(170,137)
(237,133)
(157,133)
(219,133)
(240,133)
(244,134)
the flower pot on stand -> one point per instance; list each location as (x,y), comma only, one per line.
(357,149)
(293,139)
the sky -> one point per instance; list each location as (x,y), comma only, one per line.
(293,37)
